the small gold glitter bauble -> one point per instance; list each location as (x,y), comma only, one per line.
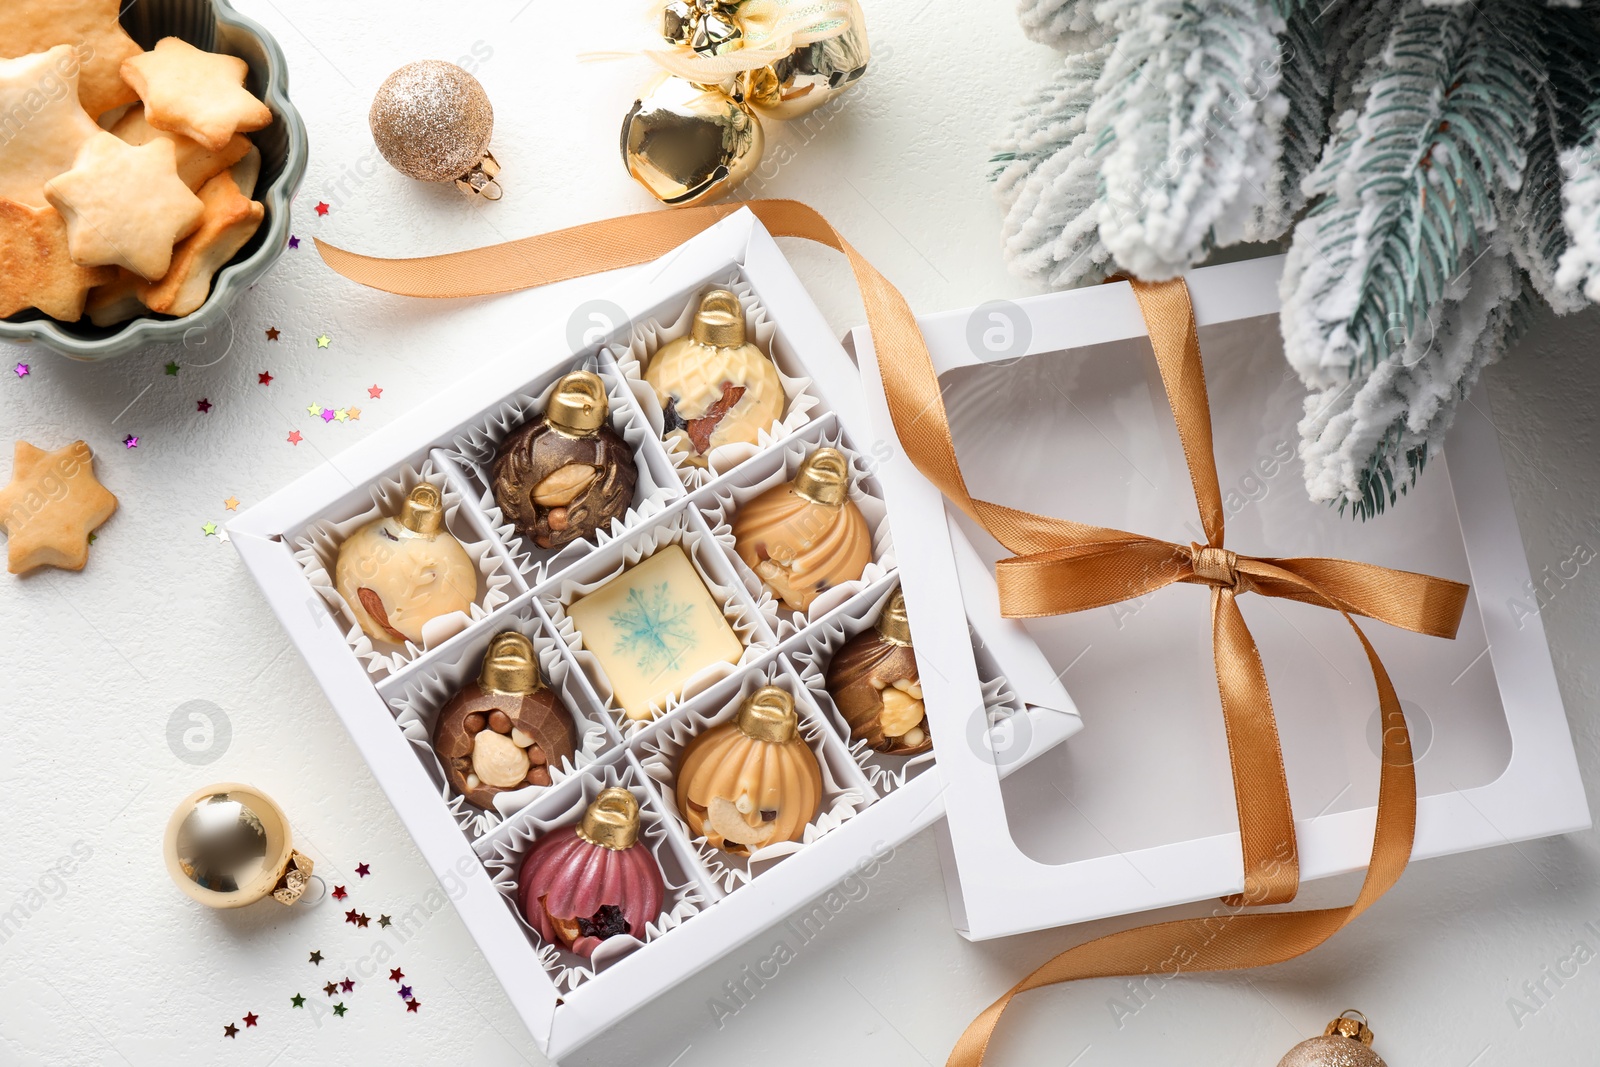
(1347,1042)
(432,121)
(228,845)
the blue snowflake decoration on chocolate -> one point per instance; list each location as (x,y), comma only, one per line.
(654,628)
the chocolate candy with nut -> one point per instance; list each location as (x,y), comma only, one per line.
(873,680)
(505,730)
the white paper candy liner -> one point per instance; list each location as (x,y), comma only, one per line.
(843,789)
(430,687)
(753,628)
(562,808)
(649,335)
(475,448)
(316,549)
(719,505)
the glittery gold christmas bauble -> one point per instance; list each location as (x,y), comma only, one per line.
(686,142)
(1347,1042)
(228,845)
(432,121)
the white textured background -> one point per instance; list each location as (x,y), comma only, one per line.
(109,964)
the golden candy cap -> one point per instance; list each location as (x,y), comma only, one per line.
(893,624)
(824,478)
(578,407)
(1351,1024)
(423,511)
(720,321)
(509,666)
(612,821)
(768,715)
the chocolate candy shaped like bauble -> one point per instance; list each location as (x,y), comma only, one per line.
(805,536)
(228,845)
(752,781)
(399,572)
(715,387)
(811,75)
(582,884)
(686,142)
(873,680)
(567,475)
(432,121)
(505,730)
(1347,1042)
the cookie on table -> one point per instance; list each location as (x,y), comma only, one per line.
(91,25)
(197,164)
(52,505)
(230,219)
(125,206)
(42,125)
(198,94)
(38,269)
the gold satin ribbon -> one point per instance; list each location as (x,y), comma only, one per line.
(1060,566)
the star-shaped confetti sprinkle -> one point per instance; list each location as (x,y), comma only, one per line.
(323,340)
(383,921)
(322,209)
(294,242)
(316,957)
(264,378)
(209,528)
(363,869)
(23,370)
(405,992)
(230,1030)
(294,437)
(130,441)
(342,415)
(397,975)
(339,1009)
(172,370)
(203,405)
(413,1005)
(361,921)
(313,409)
(350,916)
(375,393)
(348,985)
(232,503)
(327,414)
(331,988)
(272,333)
(339,894)
(250,1018)
(298,1001)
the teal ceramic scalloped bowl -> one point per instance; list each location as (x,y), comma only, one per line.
(216,27)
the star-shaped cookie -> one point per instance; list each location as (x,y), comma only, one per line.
(38,270)
(35,25)
(197,164)
(231,219)
(42,125)
(51,507)
(125,205)
(198,94)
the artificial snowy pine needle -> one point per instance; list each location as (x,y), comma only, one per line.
(1306,86)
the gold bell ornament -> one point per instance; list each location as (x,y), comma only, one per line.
(432,121)
(694,133)
(1347,1042)
(228,845)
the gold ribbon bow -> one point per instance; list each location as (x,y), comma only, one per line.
(769,30)
(1061,566)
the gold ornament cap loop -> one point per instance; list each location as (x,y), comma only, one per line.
(1351,1024)
(893,624)
(768,715)
(510,666)
(481,179)
(578,407)
(824,478)
(612,821)
(296,878)
(423,511)
(720,321)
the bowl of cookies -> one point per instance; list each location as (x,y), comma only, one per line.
(148,157)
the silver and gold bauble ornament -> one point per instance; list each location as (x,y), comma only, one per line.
(1347,1042)
(687,143)
(228,845)
(432,121)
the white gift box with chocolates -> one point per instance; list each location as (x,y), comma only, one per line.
(618,627)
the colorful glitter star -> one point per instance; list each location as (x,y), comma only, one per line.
(397,975)
(172,370)
(331,988)
(350,916)
(354,413)
(413,1005)
(375,393)
(383,921)
(294,242)
(203,405)
(313,409)
(272,333)
(23,370)
(327,414)
(323,340)
(361,921)
(130,441)
(264,378)
(339,893)
(405,992)
(210,529)
(342,415)
(230,1030)
(322,209)
(348,985)
(294,437)
(316,957)
(232,503)
(339,1009)
(250,1018)
(298,1001)
(363,869)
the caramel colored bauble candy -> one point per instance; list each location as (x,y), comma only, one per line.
(569,474)
(432,121)
(752,781)
(400,572)
(805,536)
(715,387)
(1347,1042)
(686,142)
(873,680)
(502,731)
(811,75)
